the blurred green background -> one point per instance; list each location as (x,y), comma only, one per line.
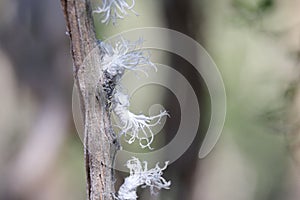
(254,43)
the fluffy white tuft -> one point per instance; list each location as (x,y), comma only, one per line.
(112,10)
(135,126)
(141,176)
(125,55)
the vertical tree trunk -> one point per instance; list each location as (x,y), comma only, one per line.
(180,16)
(99,141)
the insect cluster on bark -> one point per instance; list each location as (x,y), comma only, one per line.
(117,58)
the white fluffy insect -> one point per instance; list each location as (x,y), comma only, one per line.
(125,55)
(112,10)
(135,126)
(141,176)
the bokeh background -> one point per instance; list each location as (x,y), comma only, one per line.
(256,46)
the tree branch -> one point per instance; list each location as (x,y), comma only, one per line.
(99,140)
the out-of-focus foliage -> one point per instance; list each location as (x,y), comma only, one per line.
(250,11)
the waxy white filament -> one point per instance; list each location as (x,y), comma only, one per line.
(118,58)
(112,10)
(140,175)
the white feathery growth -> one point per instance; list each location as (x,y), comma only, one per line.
(135,126)
(112,10)
(140,175)
(125,55)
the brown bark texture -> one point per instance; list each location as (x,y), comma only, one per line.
(99,140)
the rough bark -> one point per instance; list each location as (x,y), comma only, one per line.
(99,141)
